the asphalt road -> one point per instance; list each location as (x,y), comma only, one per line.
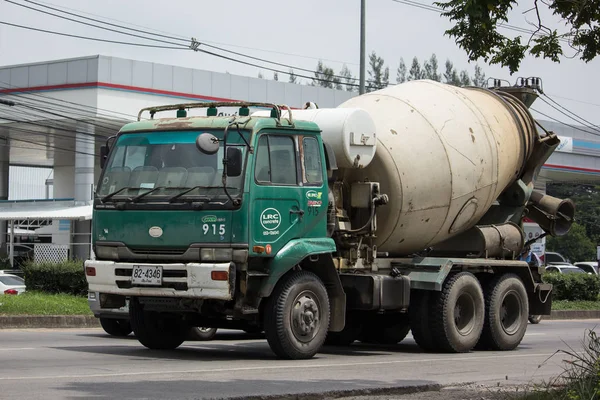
(87,363)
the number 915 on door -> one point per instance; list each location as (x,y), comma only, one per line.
(213,229)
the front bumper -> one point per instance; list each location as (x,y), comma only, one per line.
(190,280)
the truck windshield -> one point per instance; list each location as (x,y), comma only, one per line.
(151,165)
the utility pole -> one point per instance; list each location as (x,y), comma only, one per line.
(361,88)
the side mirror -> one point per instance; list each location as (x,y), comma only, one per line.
(207,143)
(103,156)
(234,161)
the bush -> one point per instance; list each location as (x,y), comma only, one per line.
(65,277)
(574,287)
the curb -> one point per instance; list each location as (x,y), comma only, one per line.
(573,314)
(88,321)
(48,321)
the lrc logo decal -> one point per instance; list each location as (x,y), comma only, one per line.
(270,219)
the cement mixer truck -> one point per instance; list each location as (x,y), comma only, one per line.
(400,210)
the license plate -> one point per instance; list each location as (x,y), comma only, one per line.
(146,275)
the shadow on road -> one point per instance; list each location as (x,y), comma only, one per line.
(241,388)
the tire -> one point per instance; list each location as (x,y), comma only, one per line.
(419,314)
(506,310)
(386,329)
(116,327)
(203,334)
(298,298)
(535,319)
(154,330)
(459,311)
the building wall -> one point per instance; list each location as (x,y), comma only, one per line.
(28,183)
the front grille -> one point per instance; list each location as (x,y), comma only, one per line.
(154,251)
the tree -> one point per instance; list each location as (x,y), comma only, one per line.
(575,245)
(293,78)
(415,70)
(275,76)
(347,78)
(479,77)
(325,77)
(476,24)
(378,77)
(401,72)
(451,76)
(260,75)
(433,69)
(464,78)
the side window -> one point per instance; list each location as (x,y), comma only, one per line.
(262,171)
(313,172)
(276,160)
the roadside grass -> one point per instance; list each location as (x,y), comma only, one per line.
(580,379)
(38,303)
(575,305)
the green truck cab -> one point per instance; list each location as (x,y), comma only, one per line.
(179,226)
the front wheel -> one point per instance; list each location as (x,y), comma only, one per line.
(296,316)
(116,327)
(155,330)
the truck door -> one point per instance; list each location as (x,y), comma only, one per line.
(277,210)
(314,190)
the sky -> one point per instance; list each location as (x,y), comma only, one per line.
(293,32)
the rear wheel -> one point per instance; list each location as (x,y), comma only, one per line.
(507,308)
(296,316)
(419,313)
(116,327)
(348,335)
(458,315)
(535,319)
(155,330)
(204,334)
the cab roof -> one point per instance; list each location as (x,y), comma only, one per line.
(254,124)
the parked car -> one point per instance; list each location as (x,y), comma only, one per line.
(11,284)
(588,266)
(115,321)
(564,268)
(551,258)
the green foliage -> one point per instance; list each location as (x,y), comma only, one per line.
(347,78)
(574,287)
(575,245)
(415,70)
(451,76)
(378,76)
(476,24)
(401,72)
(293,78)
(38,303)
(66,277)
(325,77)
(575,305)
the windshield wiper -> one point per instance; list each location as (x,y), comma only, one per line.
(139,196)
(110,195)
(187,190)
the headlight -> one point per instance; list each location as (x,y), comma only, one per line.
(107,252)
(219,254)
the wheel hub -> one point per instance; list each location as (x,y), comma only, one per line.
(510,313)
(305,317)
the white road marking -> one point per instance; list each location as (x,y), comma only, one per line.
(272,367)
(18,348)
